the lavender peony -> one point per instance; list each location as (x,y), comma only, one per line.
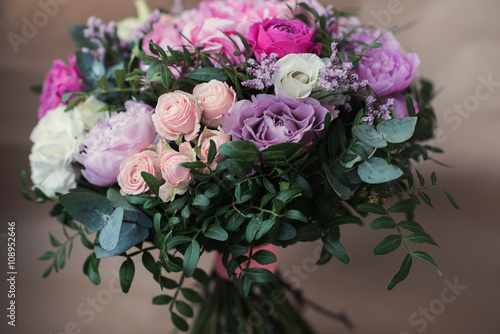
(271,119)
(115,138)
(387,70)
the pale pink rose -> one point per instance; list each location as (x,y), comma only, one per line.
(177,114)
(186,149)
(177,178)
(219,137)
(130,179)
(215,99)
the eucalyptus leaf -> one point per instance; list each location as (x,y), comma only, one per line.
(89,209)
(110,233)
(397,130)
(377,170)
(368,135)
(130,235)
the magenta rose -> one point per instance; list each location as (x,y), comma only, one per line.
(282,37)
(61,79)
(274,119)
(114,139)
(387,70)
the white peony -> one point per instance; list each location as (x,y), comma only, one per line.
(297,75)
(56,139)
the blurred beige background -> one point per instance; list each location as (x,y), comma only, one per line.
(459,45)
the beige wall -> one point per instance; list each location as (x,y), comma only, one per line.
(458,42)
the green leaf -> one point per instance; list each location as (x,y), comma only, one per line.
(62,257)
(239,150)
(184,309)
(103,82)
(47,271)
(282,150)
(286,232)
(425,198)
(194,164)
(286,194)
(368,135)
(47,256)
(371,208)
(309,232)
(150,264)
(397,130)
(179,322)
(54,241)
(216,232)
(343,220)
(265,227)
(252,228)
(301,183)
(245,285)
(411,226)
(200,276)
(177,240)
(296,215)
(420,178)
(191,258)
(120,77)
(403,206)
(166,76)
(162,300)
(420,238)
(127,271)
(86,242)
(168,283)
(410,107)
(201,200)
(89,209)
(259,275)
(207,73)
(427,258)
(212,152)
(264,257)
(383,223)
(402,273)
(433,178)
(152,182)
(93,272)
(334,247)
(377,170)
(388,245)
(451,199)
(191,295)
(343,191)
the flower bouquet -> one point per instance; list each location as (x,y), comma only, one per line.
(236,128)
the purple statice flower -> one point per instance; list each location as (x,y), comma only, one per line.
(97,32)
(262,72)
(113,139)
(272,119)
(382,112)
(339,76)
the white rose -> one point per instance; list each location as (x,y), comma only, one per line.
(56,139)
(91,111)
(297,74)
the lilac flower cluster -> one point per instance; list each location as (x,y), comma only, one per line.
(339,76)
(383,112)
(262,72)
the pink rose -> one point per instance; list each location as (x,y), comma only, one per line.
(177,114)
(130,179)
(177,178)
(61,79)
(215,99)
(219,137)
(282,37)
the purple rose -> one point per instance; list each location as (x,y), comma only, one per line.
(114,139)
(61,79)
(400,105)
(274,119)
(387,70)
(282,37)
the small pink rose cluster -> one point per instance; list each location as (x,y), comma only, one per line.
(179,116)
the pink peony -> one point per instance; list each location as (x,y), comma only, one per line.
(113,139)
(176,114)
(130,179)
(282,37)
(61,79)
(215,99)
